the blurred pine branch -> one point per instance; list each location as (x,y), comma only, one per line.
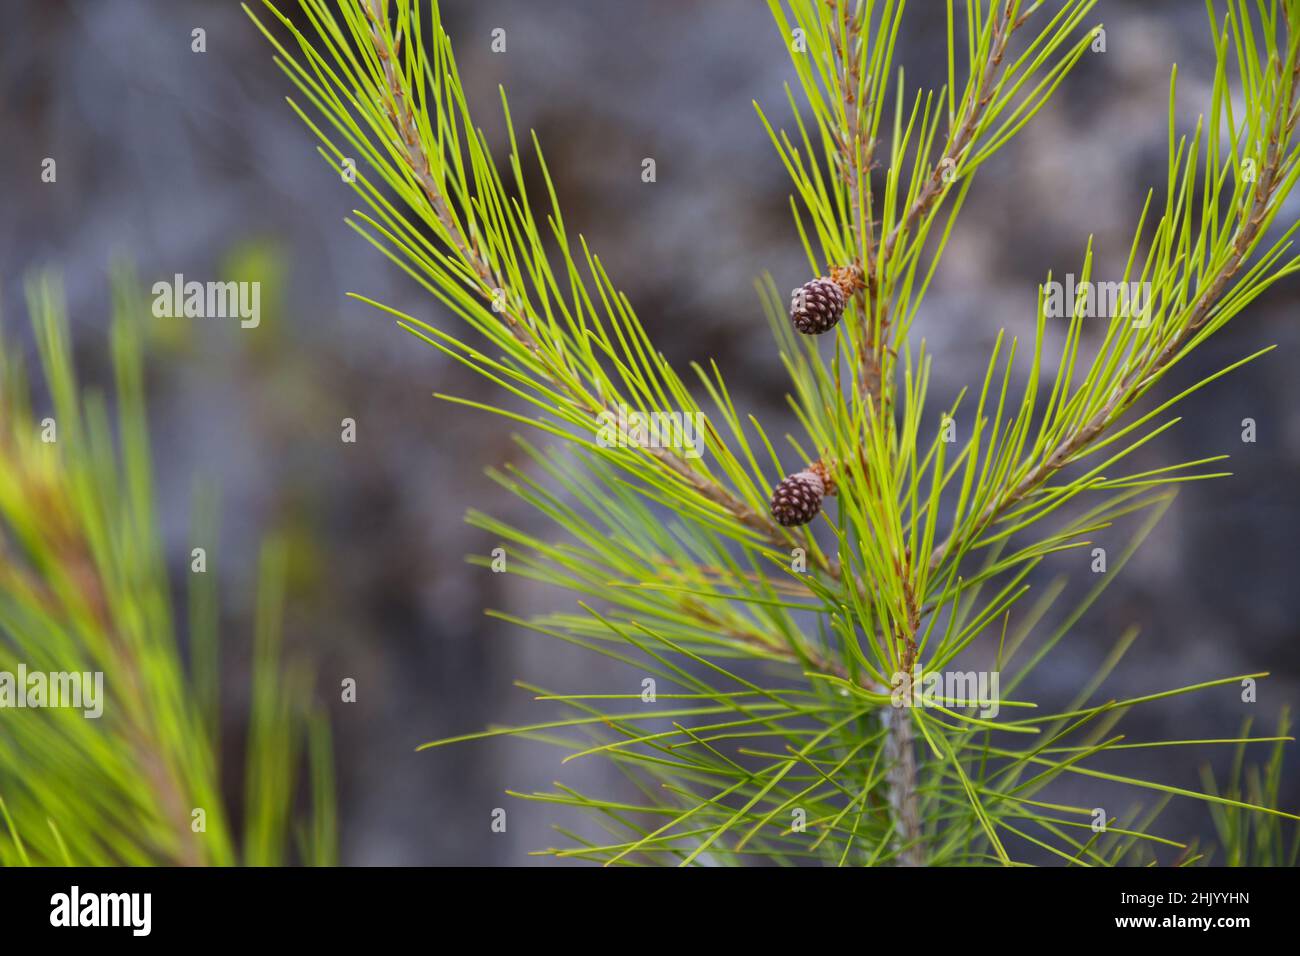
(83,588)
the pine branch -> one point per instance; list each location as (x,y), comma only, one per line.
(386,45)
(84,594)
(1269,194)
(679,600)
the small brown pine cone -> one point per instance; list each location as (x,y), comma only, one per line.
(817,306)
(798,498)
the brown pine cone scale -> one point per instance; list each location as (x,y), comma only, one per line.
(798,498)
(817,306)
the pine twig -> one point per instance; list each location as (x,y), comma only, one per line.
(402,118)
(1131,385)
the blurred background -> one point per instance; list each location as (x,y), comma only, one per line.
(192,163)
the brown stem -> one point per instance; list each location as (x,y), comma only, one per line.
(873,348)
(855,163)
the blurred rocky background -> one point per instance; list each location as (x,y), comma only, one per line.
(192,163)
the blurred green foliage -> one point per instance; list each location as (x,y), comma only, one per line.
(84,588)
